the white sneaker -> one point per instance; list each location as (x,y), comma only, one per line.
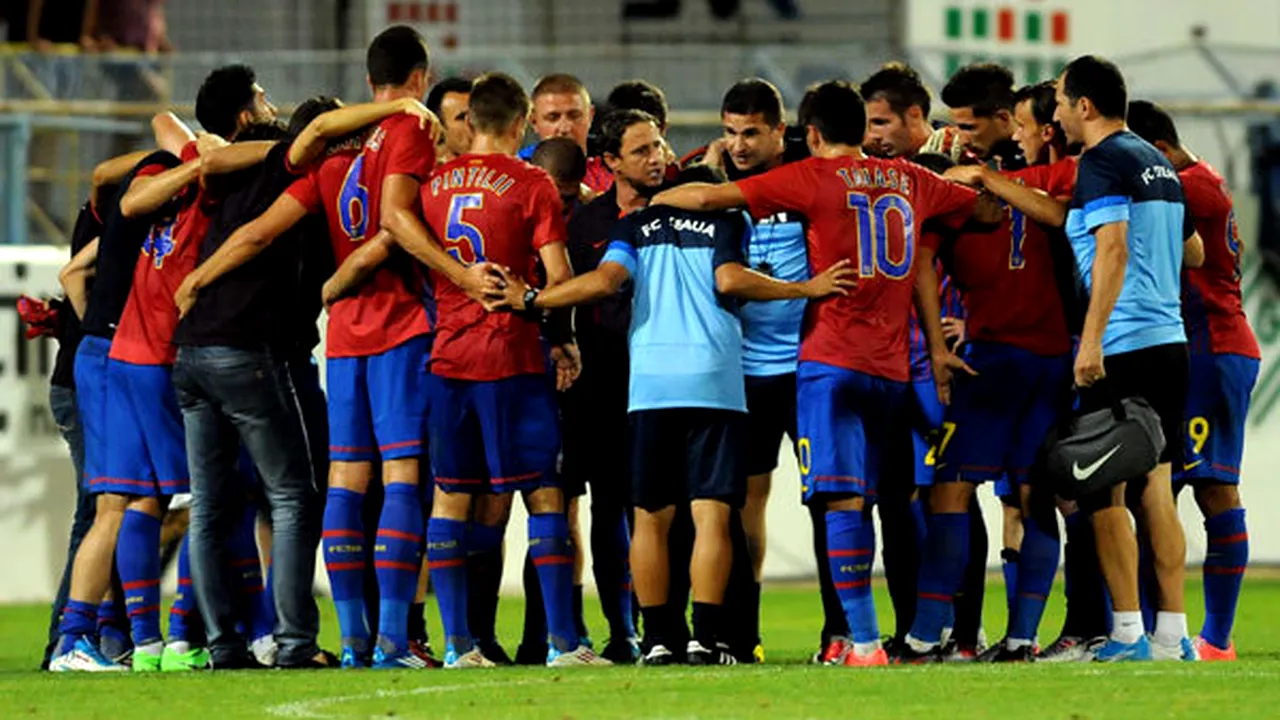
(1185,651)
(84,657)
(265,649)
(473,658)
(581,656)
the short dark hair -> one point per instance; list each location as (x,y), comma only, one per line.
(394,54)
(1090,76)
(225,93)
(1044,100)
(836,109)
(751,96)
(899,85)
(309,110)
(263,130)
(936,162)
(497,101)
(561,158)
(557,83)
(435,98)
(984,88)
(1150,122)
(639,95)
(700,172)
(615,125)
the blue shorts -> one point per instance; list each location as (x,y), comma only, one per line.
(999,418)
(846,420)
(1217,406)
(378,403)
(146,444)
(926,421)
(498,436)
(91,398)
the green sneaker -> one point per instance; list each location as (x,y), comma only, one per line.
(146,662)
(193,659)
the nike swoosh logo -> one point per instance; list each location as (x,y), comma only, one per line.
(1192,465)
(600,244)
(1084,473)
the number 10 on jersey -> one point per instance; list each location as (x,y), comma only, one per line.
(874,235)
(463,240)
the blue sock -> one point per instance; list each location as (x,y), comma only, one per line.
(78,620)
(1009,567)
(484,579)
(1224,566)
(1037,563)
(553,558)
(1147,587)
(184,602)
(447,561)
(622,621)
(246,569)
(920,521)
(138,560)
(397,562)
(850,551)
(942,564)
(344,560)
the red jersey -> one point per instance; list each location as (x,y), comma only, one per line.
(390,308)
(867,210)
(598,176)
(144,335)
(1211,306)
(501,209)
(1007,273)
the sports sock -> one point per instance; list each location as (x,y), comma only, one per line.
(418,622)
(1127,626)
(850,552)
(740,616)
(1087,604)
(138,560)
(1171,628)
(973,584)
(706,624)
(657,625)
(344,559)
(184,602)
(447,560)
(1148,589)
(901,558)
(941,571)
(484,578)
(610,548)
(77,621)
(246,569)
(1224,567)
(1009,567)
(397,562)
(535,614)
(833,621)
(1037,562)
(552,554)
(111,621)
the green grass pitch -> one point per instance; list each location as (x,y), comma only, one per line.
(786,687)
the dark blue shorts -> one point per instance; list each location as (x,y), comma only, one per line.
(1217,405)
(378,403)
(999,418)
(91,397)
(146,444)
(683,454)
(926,425)
(498,436)
(846,421)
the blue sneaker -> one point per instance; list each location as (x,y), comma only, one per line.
(397,660)
(84,656)
(352,659)
(1184,651)
(1120,652)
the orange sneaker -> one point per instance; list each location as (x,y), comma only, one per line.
(1210,653)
(852,659)
(834,650)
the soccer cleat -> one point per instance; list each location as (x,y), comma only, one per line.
(470,659)
(622,652)
(758,653)
(1071,649)
(1000,653)
(953,651)
(352,659)
(242,661)
(1209,652)
(851,658)
(423,650)
(1113,651)
(194,659)
(1184,651)
(397,660)
(265,649)
(659,655)
(834,650)
(495,652)
(581,656)
(907,655)
(323,660)
(145,662)
(115,645)
(698,654)
(84,656)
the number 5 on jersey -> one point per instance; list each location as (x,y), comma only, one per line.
(463,240)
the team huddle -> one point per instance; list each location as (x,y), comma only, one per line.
(919,310)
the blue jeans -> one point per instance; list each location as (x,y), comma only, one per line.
(231,396)
(66,414)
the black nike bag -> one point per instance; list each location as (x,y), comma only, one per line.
(1100,449)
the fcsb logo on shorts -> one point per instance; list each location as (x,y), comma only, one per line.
(159,243)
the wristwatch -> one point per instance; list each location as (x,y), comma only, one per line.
(530,296)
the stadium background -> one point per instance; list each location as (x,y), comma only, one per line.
(61,113)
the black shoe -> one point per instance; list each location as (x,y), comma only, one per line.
(322,660)
(494,651)
(1000,653)
(622,652)
(699,654)
(659,655)
(243,661)
(989,655)
(528,654)
(907,655)
(892,647)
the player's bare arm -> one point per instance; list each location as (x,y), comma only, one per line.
(1193,251)
(245,244)
(109,172)
(171,133)
(929,310)
(1036,204)
(740,281)
(358,266)
(404,223)
(310,143)
(600,283)
(74,277)
(1109,264)
(148,194)
(702,196)
(236,156)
